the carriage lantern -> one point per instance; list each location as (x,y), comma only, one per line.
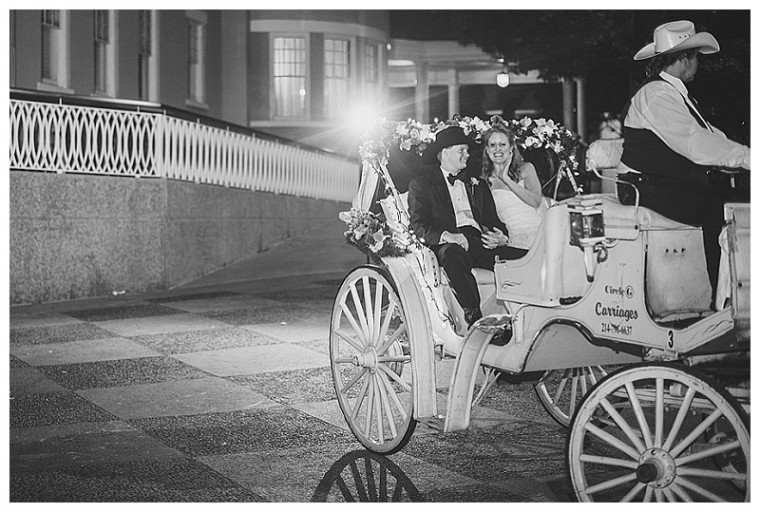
(586,226)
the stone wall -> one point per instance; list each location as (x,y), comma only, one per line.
(75,236)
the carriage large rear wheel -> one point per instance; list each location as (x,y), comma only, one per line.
(652,444)
(370,360)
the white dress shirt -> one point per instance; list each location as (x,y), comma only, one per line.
(659,107)
(461,203)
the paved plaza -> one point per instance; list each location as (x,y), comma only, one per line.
(220,391)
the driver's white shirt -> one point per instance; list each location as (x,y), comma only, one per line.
(659,107)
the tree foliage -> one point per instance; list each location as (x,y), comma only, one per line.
(598,45)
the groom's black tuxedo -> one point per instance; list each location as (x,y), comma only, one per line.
(431,212)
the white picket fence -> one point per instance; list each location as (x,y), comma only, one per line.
(66,138)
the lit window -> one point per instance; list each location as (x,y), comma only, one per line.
(336,76)
(144,52)
(196,60)
(102,40)
(51,35)
(289,62)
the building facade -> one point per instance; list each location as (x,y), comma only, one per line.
(314,76)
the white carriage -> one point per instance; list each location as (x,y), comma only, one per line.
(611,303)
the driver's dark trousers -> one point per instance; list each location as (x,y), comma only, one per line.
(459,263)
(685,201)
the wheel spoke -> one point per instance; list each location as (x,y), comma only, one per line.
(370,407)
(372,494)
(394,397)
(659,410)
(360,399)
(369,315)
(633,492)
(613,441)
(395,377)
(683,482)
(352,380)
(345,337)
(608,461)
(682,411)
(711,473)
(360,313)
(573,393)
(623,425)
(560,388)
(377,314)
(712,418)
(680,492)
(357,329)
(391,339)
(715,450)
(669,495)
(639,413)
(609,484)
(386,402)
(648,494)
(378,411)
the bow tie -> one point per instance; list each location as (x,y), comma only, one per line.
(461,177)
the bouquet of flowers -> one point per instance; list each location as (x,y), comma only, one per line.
(544,133)
(370,233)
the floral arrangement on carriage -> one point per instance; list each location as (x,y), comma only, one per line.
(385,233)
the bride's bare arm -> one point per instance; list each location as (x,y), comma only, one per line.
(530,194)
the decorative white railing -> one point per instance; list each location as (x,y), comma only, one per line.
(66,138)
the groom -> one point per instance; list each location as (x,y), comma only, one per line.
(456,217)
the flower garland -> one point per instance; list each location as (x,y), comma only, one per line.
(412,135)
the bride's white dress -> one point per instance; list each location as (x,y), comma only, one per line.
(521,219)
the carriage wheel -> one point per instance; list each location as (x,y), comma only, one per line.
(560,391)
(654,448)
(370,358)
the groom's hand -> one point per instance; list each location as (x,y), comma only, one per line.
(455,238)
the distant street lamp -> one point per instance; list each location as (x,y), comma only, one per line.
(502,79)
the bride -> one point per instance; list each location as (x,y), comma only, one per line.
(514,184)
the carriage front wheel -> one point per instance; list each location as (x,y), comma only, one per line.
(370,359)
(640,435)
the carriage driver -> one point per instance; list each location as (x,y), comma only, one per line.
(669,145)
(456,217)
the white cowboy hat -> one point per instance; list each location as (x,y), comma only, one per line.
(676,36)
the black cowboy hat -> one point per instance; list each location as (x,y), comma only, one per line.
(449,136)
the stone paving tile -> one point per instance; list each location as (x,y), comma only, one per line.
(31,318)
(509,451)
(53,409)
(294,332)
(182,297)
(28,381)
(519,401)
(180,397)
(300,474)
(84,351)
(265,315)
(241,431)
(163,481)
(58,334)
(230,302)
(120,312)
(29,435)
(250,360)
(307,294)
(159,325)
(291,387)
(123,372)
(54,454)
(206,339)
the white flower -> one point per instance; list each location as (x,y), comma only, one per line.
(474,182)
